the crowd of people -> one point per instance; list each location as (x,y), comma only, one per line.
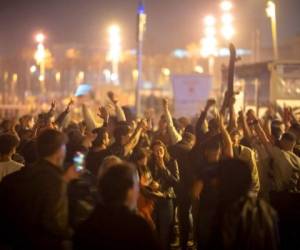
(223,180)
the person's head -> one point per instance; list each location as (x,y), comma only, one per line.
(75,137)
(295,129)
(188,139)
(162,124)
(44,122)
(212,149)
(107,162)
(119,186)
(190,129)
(8,145)
(277,129)
(102,138)
(159,150)
(122,134)
(140,157)
(184,122)
(234,180)
(27,121)
(213,125)
(287,142)
(235,137)
(6,125)
(51,145)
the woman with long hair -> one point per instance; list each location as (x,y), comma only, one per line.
(165,174)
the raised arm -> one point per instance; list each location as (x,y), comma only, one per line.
(62,116)
(119,110)
(264,139)
(134,139)
(227,143)
(199,125)
(51,111)
(104,115)
(247,131)
(88,118)
(174,134)
(232,115)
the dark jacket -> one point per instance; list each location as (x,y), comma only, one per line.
(168,178)
(181,152)
(114,228)
(94,160)
(34,208)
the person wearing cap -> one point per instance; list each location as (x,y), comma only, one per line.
(34,204)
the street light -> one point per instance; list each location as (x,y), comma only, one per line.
(40,56)
(114,53)
(226,6)
(227,29)
(271,13)
(40,38)
(32,69)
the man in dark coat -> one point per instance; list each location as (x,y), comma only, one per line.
(114,224)
(34,205)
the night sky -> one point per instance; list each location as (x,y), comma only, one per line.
(171,23)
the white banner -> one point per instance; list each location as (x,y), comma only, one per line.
(190,92)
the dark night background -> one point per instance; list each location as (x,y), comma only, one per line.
(171,23)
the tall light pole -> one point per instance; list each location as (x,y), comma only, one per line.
(209,42)
(114,53)
(271,13)
(40,56)
(141,27)
(227,29)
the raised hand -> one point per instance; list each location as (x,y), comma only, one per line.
(143,124)
(112,97)
(103,113)
(165,103)
(53,105)
(71,102)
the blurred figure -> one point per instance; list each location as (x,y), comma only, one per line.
(114,224)
(98,151)
(8,146)
(243,221)
(180,152)
(34,204)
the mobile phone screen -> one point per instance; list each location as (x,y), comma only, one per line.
(78,161)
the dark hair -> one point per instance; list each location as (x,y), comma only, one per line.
(75,137)
(100,136)
(115,182)
(213,124)
(190,129)
(288,137)
(188,137)
(276,132)
(167,156)
(7,143)
(138,154)
(6,125)
(49,141)
(120,131)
